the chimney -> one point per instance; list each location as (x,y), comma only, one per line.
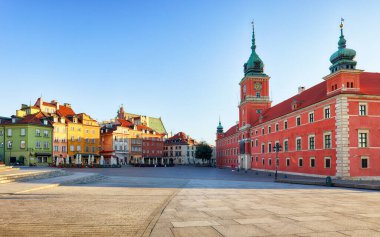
(301,89)
(67,105)
(54,102)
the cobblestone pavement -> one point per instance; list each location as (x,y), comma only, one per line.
(185,201)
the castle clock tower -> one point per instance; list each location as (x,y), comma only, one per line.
(254,89)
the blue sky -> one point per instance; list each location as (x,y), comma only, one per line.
(181,60)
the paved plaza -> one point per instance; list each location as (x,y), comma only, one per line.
(185,201)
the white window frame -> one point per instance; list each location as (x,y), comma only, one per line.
(22,132)
(300,159)
(287,164)
(298,117)
(324,112)
(366,109)
(361,160)
(287,124)
(312,158)
(298,138)
(324,162)
(367,142)
(311,113)
(308,141)
(283,145)
(9,132)
(324,140)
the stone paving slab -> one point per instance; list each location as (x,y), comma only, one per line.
(275,211)
(170,207)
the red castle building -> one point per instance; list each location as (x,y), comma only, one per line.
(331,129)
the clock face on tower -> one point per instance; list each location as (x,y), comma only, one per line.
(258,86)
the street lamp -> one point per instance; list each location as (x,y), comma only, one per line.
(277,148)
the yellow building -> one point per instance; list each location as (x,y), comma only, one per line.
(76,137)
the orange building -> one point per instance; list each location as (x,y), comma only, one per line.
(121,140)
(76,137)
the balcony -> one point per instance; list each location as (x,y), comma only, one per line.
(256,99)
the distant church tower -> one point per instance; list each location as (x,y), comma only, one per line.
(254,89)
(219,131)
(121,113)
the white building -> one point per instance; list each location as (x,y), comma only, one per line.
(180,149)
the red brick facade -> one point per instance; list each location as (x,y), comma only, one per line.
(330,129)
(152,149)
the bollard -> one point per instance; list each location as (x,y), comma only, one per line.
(328,181)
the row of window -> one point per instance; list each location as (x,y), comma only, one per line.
(79,148)
(364,162)
(228,141)
(312,163)
(228,152)
(23,132)
(135,149)
(78,129)
(153,151)
(136,141)
(46,145)
(56,139)
(327,144)
(178,147)
(63,149)
(152,143)
(311,119)
(177,153)
(121,148)
(87,140)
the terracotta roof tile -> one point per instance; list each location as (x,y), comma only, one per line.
(232,130)
(65,111)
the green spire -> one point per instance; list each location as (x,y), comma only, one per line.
(253,47)
(254,65)
(342,40)
(344,57)
(219,129)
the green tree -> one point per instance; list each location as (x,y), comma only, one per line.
(203,151)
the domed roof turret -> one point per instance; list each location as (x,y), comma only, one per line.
(219,129)
(254,65)
(344,57)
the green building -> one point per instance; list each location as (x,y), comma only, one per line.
(27,141)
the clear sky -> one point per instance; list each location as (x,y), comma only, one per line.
(181,60)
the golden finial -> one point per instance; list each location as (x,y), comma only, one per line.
(341,23)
